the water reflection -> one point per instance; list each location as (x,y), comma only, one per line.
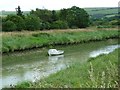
(32,71)
(56,58)
(105,50)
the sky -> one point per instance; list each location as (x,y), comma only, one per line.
(27,5)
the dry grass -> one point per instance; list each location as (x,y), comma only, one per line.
(45,31)
(53,31)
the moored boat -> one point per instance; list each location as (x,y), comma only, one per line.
(52,52)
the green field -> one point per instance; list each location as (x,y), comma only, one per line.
(99,72)
(104,11)
(20,41)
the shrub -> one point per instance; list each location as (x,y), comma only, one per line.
(45,25)
(105,26)
(59,25)
(19,21)
(32,23)
(8,26)
(23,85)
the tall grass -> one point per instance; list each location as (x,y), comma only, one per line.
(25,41)
(99,72)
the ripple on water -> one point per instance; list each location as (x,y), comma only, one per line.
(105,50)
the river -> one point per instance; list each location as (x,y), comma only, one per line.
(35,64)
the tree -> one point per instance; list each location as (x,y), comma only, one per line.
(19,12)
(63,14)
(54,16)
(77,17)
(43,14)
(71,17)
(32,22)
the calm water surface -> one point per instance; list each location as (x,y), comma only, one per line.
(35,64)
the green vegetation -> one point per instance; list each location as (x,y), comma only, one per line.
(103,17)
(32,22)
(99,72)
(19,12)
(102,11)
(59,24)
(18,21)
(12,42)
(41,19)
(9,26)
(106,12)
(68,18)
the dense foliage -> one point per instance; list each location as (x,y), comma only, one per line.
(9,26)
(17,20)
(41,19)
(32,23)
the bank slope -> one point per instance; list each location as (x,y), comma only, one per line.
(17,42)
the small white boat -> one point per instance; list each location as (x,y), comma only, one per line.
(52,52)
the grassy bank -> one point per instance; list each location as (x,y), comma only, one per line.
(99,72)
(21,41)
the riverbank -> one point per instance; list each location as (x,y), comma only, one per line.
(21,41)
(99,72)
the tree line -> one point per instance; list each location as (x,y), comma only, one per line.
(43,19)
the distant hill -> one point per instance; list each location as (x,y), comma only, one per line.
(93,12)
(5,13)
(102,12)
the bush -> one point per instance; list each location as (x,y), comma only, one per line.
(59,25)
(23,85)
(32,23)
(45,25)
(8,26)
(19,21)
(114,22)
(105,26)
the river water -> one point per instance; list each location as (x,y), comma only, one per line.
(35,64)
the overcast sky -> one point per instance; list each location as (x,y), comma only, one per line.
(26,5)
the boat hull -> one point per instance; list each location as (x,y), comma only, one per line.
(53,52)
